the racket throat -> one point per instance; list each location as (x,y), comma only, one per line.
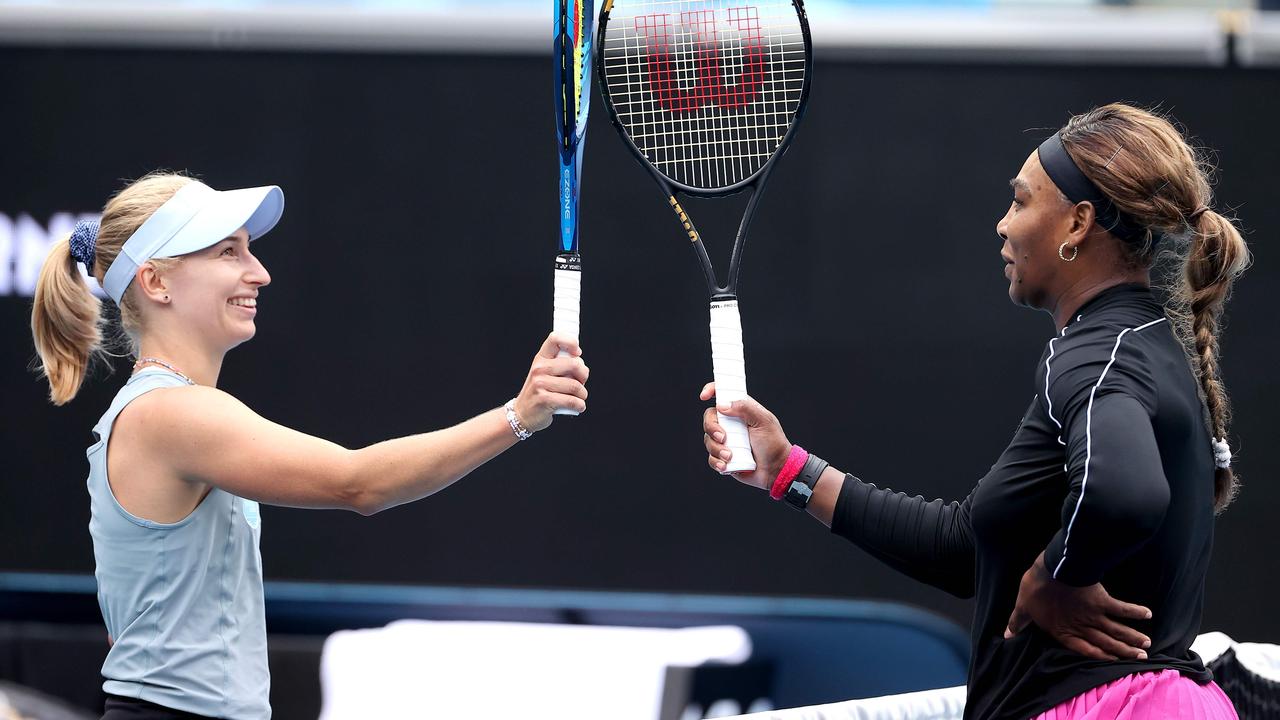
(700,251)
(730,288)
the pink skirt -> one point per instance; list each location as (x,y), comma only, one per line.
(1163,695)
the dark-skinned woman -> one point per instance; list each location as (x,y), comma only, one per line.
(1110,486)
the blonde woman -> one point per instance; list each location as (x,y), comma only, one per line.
(1110,484)
(180,466)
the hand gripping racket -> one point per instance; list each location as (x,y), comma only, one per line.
(571,48)
(707,96)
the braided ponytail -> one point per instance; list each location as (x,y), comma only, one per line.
(1216,256)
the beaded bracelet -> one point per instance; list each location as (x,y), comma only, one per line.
(522,433)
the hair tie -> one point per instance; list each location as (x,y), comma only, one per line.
(84,242)
(1194,217)
(1221,453)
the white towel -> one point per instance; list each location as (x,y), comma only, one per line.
(476,670)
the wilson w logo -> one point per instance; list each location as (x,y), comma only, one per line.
(700,51)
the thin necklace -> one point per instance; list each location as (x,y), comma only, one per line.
(163,364)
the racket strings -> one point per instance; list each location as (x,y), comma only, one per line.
(707,90)
(574,76)
(581,64)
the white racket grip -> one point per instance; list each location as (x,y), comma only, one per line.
(730,371)
(566,303)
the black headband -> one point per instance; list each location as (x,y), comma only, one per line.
(1064,173)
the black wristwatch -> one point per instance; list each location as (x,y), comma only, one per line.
(801,489)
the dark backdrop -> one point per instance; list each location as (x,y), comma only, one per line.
(412,283)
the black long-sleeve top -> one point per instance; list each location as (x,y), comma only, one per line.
(1110,473)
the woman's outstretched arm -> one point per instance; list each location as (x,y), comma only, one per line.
(207,436)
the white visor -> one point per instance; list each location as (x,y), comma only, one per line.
(196,217)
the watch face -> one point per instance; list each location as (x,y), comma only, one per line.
(801,489)
(798,495)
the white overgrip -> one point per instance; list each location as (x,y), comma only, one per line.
(730,371)
(566,303)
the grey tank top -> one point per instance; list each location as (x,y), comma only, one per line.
(183,601)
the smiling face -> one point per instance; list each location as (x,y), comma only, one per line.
(1038,220)
(214,291)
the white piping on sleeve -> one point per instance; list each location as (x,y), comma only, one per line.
(1088,434)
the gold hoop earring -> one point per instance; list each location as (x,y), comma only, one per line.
(1075,251)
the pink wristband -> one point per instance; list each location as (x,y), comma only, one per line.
(790,469)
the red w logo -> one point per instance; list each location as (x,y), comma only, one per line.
(709,77)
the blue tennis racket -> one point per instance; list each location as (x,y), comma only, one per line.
(571,48)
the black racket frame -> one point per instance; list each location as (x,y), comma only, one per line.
(755,182)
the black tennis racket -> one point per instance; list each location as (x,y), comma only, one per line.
(708,95)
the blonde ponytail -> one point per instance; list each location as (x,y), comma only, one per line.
(66,323)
